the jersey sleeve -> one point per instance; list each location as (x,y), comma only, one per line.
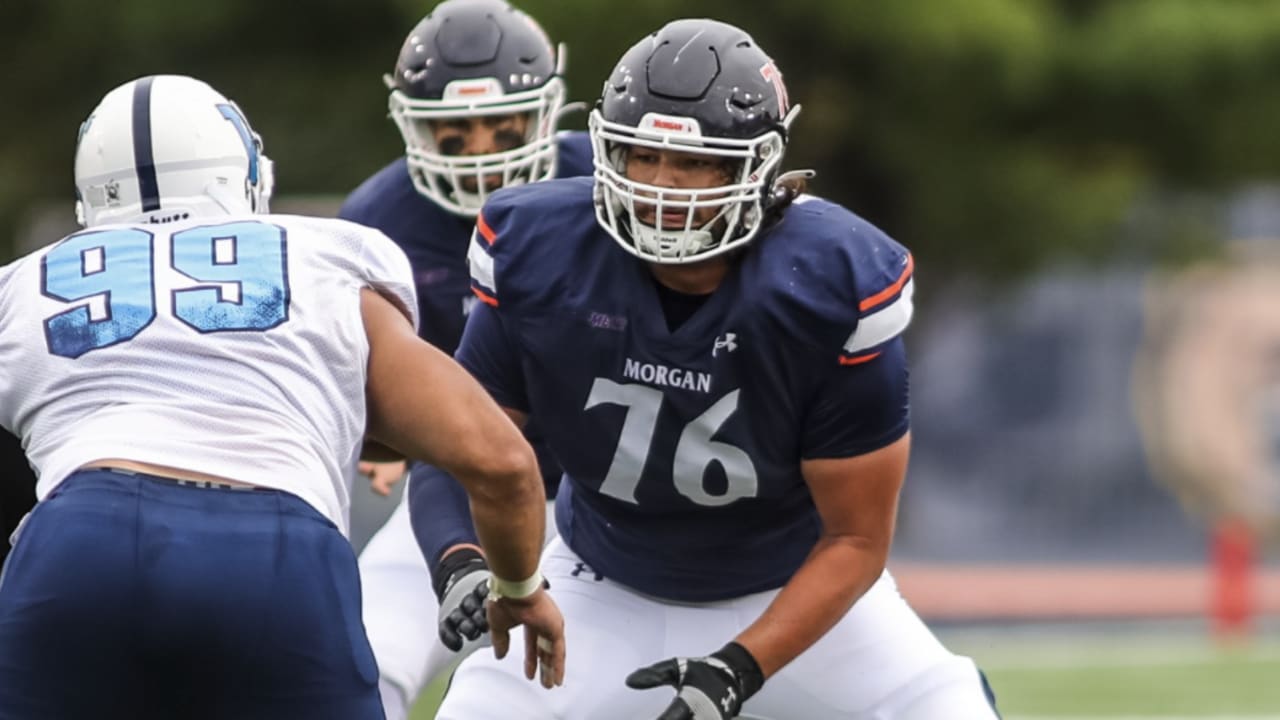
(491,355)
(856,301)
(885,286)
(481,263)
(521,237)
(386,269)
(859,408)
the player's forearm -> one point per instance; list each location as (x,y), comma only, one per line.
(423,404)
(838,572)
(507,501)
(507,515)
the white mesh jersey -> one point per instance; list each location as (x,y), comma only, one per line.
(232,347)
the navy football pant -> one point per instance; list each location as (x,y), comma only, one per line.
(128,596)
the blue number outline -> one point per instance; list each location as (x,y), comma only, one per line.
(52,335)
(78,336)
(279,235)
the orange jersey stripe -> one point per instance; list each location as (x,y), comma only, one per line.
(858,359)
(485,231)
(892,289)
(485,298)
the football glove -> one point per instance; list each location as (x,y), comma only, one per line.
(707,688)
(462,585)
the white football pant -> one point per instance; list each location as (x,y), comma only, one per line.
(879,662)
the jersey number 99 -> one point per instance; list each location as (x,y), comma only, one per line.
(237,272)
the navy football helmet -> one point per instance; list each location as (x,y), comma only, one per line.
(473,58)
(697,86)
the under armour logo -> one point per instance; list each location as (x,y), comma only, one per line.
(581,567)
(727,343)
(727,701)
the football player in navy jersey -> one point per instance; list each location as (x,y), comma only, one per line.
(717,361)
(476,93)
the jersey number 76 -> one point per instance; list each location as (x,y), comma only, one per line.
(695,450)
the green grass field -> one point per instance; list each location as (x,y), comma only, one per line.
(1128,675)
(1116,673)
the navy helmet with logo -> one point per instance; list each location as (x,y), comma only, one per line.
(697,86)
(471,58)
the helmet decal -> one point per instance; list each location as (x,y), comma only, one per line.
(232,113)
(770,72)
(143,157)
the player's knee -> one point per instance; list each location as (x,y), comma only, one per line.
(965,696)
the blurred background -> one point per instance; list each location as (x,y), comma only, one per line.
(1091,189)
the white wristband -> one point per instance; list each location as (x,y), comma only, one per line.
(499,588)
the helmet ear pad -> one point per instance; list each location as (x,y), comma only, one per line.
(724,98)
(163,148)
(468,59)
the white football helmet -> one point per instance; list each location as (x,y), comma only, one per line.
(168,147)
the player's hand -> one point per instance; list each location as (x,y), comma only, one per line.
(382,475)
(707,688)
(543,634)
(462,621)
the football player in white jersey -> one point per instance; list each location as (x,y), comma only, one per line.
(193,381)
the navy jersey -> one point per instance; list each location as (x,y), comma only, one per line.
(435,240)
(682,449)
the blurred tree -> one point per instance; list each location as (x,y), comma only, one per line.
(989,135)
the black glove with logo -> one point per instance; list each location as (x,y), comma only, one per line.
(707,688)
(462,585)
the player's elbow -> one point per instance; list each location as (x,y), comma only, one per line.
(872,552)
(502,475)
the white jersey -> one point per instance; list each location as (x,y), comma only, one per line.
(233,347)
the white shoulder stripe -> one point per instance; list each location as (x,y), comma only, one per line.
(884,324)
(481,263)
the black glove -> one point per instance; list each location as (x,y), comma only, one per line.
(462,585)
(707,688)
